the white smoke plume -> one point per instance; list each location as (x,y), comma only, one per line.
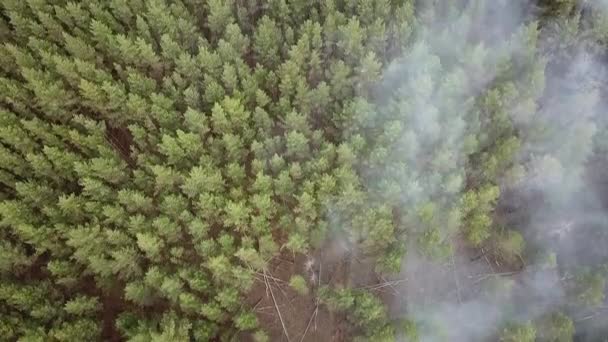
(425,109)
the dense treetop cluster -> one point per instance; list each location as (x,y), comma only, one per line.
(156,155)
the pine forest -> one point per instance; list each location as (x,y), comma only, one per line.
(304,170)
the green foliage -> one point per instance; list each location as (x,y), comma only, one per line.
(475,207)
(246,321)
(525,332)
(363,309)
(408,330)
(589,288)
(298,283)
(555,327)
(155,155)
(82,306)
(510,245)
(260,336)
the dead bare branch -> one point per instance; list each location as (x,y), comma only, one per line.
(489,275)
(391,284)
(312,316)
(456,279)
(274,301)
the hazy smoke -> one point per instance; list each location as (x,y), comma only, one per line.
(425,105)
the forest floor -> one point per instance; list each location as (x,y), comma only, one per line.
(427,284)
(288,316)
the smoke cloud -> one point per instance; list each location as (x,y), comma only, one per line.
(426,124)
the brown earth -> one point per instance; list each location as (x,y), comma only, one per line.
(286,315)
(424,282)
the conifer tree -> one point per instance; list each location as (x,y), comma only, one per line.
(156,156)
